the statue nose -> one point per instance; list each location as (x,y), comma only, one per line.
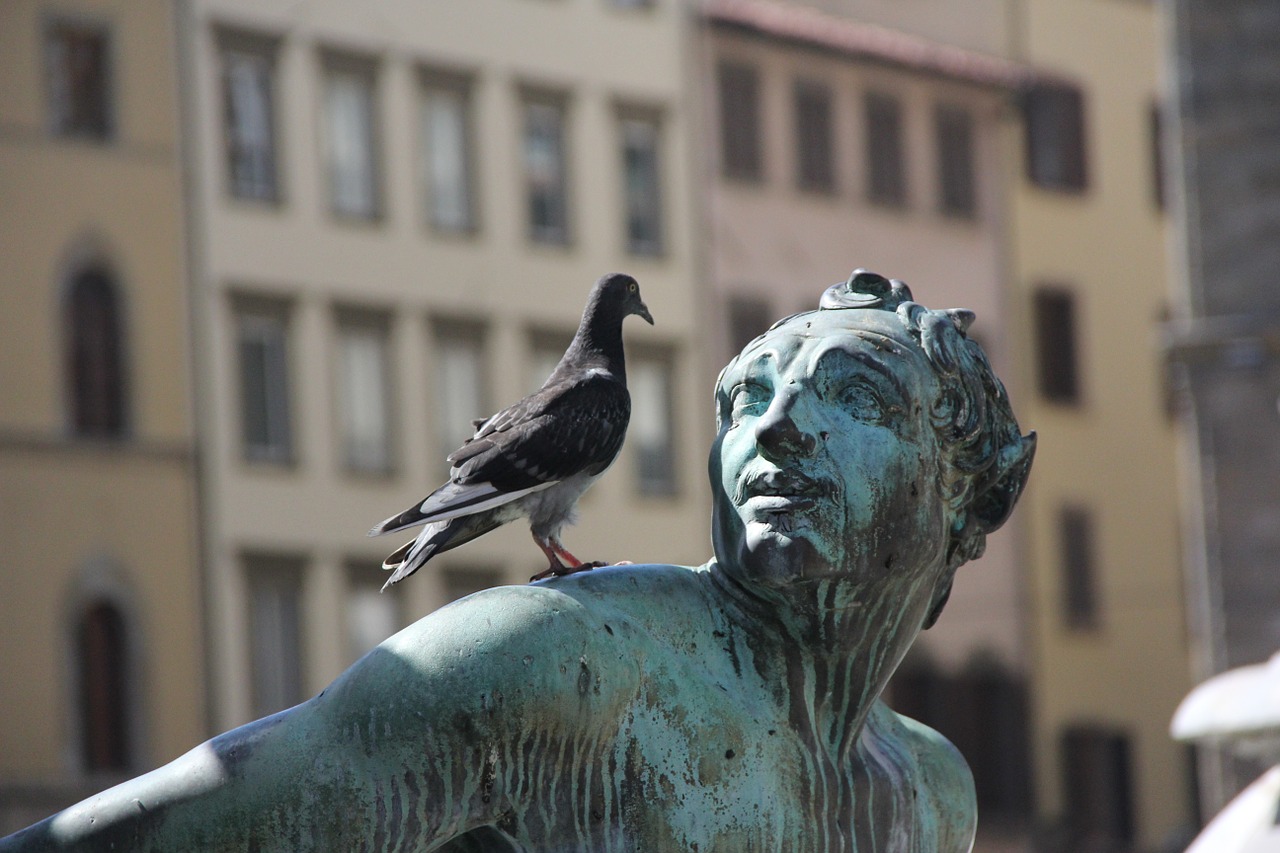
(777,433)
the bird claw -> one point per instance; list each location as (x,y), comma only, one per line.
(559,571)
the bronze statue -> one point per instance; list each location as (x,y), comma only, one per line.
(863,452)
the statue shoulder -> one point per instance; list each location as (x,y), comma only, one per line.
(943,797)
(570,648)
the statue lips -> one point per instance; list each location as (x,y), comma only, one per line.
(781,499)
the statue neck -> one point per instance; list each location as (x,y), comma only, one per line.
(831,644)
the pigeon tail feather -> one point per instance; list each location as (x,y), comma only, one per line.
(436,538)
(453,501)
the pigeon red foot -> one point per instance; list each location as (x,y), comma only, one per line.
(555,553)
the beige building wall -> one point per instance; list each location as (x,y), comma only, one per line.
(93,517)
(601,60)
(1110,454)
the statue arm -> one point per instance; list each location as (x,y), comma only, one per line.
(396,748)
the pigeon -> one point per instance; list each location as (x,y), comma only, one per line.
(536,458)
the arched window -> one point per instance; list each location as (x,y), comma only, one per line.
(102,648)
(95,356)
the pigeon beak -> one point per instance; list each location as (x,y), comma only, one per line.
(642,310)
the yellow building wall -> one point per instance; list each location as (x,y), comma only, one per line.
(1114,452)
(79,517)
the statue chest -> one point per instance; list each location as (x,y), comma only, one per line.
(697,785)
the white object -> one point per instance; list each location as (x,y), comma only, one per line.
(1248,823)
(1241,701)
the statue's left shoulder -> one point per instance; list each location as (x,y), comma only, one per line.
(943,800)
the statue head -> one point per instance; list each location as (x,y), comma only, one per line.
(867,444)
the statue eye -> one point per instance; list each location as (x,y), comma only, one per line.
(747,399)
(862,402)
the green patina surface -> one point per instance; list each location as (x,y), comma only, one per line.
(862,455)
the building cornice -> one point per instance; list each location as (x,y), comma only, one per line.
(158,450)
(858,40)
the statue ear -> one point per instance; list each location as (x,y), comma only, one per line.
(991,507)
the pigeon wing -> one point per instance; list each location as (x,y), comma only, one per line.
(570,426)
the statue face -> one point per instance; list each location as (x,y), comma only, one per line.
(826,465)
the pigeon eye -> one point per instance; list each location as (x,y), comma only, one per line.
(632,287)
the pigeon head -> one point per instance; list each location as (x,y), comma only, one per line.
(617,295)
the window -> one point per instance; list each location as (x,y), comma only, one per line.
(642,183)
(371,616)
(248,86)
(461,382)
(886,160)
(364,392)
(460,581)
(1054,120)
(546,169)
(275,631)
(349,124)
(1155,125)
(749,317)
(78,76)
(94,349)
(1098,788)
(815,150)
(446,152)
(102,647)
(262,344)
(953,130)
(652,428)
(1079,580)
(1057,371)
(740,148)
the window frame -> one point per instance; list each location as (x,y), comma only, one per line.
(1081,598)
(262,312)
(888,184)
(120,745)
(741,143)
(742,310)
(633,205)
(433,80)
(1056,137)
(116,422)
(336,63)
(446,423)
(350,320)
(278,571)
(958,186)
(1055,313)
(666,484)
(363,574)
(265,47)
(820,175)
(559,234)
(55,122)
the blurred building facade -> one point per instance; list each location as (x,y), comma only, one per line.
(102,674)
(867,134)
(393,215)
(1225,336)
(1092,285)
(398,212)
